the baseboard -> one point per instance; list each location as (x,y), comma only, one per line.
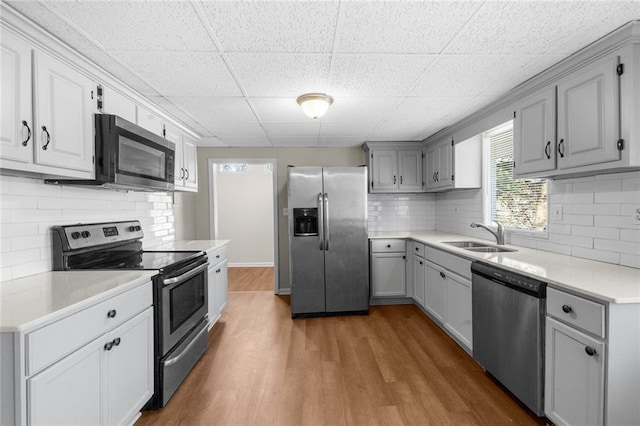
(251,265)
(283,291)
(378,301)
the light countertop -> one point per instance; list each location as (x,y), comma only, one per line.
(42,298)
(603,281)
(191,245)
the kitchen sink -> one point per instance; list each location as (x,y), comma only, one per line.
(478,247)
(489,249)
(466,244)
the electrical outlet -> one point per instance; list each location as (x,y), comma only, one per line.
(557,213)
(636,216)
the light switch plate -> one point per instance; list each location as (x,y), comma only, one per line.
(557,213)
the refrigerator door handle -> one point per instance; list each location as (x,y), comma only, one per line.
(321,218)
(326,221)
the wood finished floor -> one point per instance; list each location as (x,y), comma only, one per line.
(392,367)
(251,279)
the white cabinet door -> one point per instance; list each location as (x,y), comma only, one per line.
(173,134)
(63,115)
(435,286)
(70,391)
(148,120)
(388,274)
(444,174)
(115,103)
(190,162)
(16,130)
(129,369)
(574,376)
(220,288)
(410,170)
(384,170)
(534,133)
(431,165)
(418,279)
(458,311)
(587,115)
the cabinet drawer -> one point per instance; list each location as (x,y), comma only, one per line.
(54,341)
(574,310)
(387,246)
(418,249)
(218,255)
(457,264)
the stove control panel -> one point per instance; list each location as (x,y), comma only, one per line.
(79,236)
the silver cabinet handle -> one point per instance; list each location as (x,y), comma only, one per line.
(321,219)
(186,275)
(326,221)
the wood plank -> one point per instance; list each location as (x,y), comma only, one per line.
(394,366)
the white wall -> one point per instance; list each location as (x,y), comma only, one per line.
(244,208)
(29,208)
(597,218)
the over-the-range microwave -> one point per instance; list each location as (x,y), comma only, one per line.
(128,157)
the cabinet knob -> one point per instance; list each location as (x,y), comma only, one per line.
(108,346)
(417,249)
(218,271)
(394,179)
(217,256)
(111,313)
(443,275)
(116,341)
(44,129)
(388,245)
(590,351)
(421,262)
(24,142)
(566,309)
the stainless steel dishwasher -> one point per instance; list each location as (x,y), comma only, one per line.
(508,330)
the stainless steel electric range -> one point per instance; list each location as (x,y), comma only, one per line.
(179,291)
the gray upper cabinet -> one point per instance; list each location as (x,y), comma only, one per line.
(582,122)
(395,167)
(454,165)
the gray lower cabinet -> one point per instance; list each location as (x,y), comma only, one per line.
(388,268)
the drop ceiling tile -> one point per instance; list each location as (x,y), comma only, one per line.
(241,141)
(340,142)
(278,110)
(216,113)
(347,130)
(428,109)
(472,75)
(137,25)
(181,114)
(400,27)
(540,27)
(402,130)
(296,142)
(280,75)
(242,133)
(273,26)
(182,73)
(278,131)
(376,75)
(360,109)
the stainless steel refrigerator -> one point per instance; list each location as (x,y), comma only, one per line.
(328,241)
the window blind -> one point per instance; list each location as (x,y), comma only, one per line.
(515,203)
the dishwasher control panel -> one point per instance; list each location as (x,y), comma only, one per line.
(509,278)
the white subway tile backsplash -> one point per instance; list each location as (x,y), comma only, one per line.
(628,247)
(401,212)
(571,198)
(599,255)
(29,208)
(592,209)
(618,197)
(597,232)
(577,219)
(630,260)
(609,185)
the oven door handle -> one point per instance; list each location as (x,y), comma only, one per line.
(186,275)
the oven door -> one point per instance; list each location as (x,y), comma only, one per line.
(183,304)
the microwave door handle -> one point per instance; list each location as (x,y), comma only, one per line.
(320,203)
(186,275)
(326,221)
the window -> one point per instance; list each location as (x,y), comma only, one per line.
(237,168)
(518,204)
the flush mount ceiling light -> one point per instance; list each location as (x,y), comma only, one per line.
(314,104)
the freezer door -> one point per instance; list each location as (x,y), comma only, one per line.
(346,239)
(305,254)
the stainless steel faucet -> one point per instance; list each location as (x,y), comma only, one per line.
(498,233)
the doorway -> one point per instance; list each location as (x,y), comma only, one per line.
(243,205)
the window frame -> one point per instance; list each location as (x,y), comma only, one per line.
(486,186)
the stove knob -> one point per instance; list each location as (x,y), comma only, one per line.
(86,234)
(75,235)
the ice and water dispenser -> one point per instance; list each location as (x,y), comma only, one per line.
(305,222)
